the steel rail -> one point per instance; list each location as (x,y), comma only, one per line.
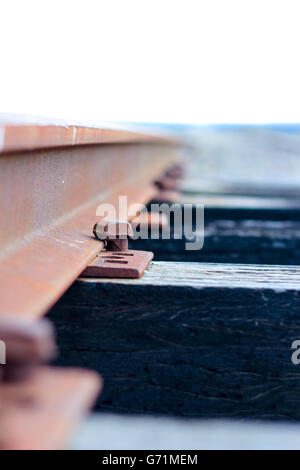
(30,133)
(48,202)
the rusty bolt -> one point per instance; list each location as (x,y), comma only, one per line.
(170,180)
(169,197)
(153,220)
(175,171)
(166,183)
(28,344)
(114,232)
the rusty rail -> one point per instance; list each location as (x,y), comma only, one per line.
(52,178)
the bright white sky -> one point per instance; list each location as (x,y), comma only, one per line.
(155,60)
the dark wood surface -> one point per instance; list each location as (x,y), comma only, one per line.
(237,235)
(189,339)
(200,339)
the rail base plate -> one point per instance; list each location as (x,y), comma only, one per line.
(129,264)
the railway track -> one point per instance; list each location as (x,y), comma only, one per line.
(53,176)
(202,334)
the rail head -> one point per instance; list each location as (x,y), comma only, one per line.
(24,133)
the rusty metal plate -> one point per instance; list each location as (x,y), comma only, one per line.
(129,264)
(41,414)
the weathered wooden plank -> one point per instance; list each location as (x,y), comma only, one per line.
(189,339)
(232,201)
(259,236)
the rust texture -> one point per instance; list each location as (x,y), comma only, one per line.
(148,220)
(28,344)
(29,133)
(48,202)
(129,264)
(42,413)
(114,232)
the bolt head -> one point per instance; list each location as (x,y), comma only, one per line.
(112,229)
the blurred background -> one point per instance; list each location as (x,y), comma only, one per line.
(174,65)
(191,61)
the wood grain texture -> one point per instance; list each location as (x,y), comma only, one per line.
(189,339)
(41,413)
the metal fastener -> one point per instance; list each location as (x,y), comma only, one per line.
(27,345)
(114,233)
